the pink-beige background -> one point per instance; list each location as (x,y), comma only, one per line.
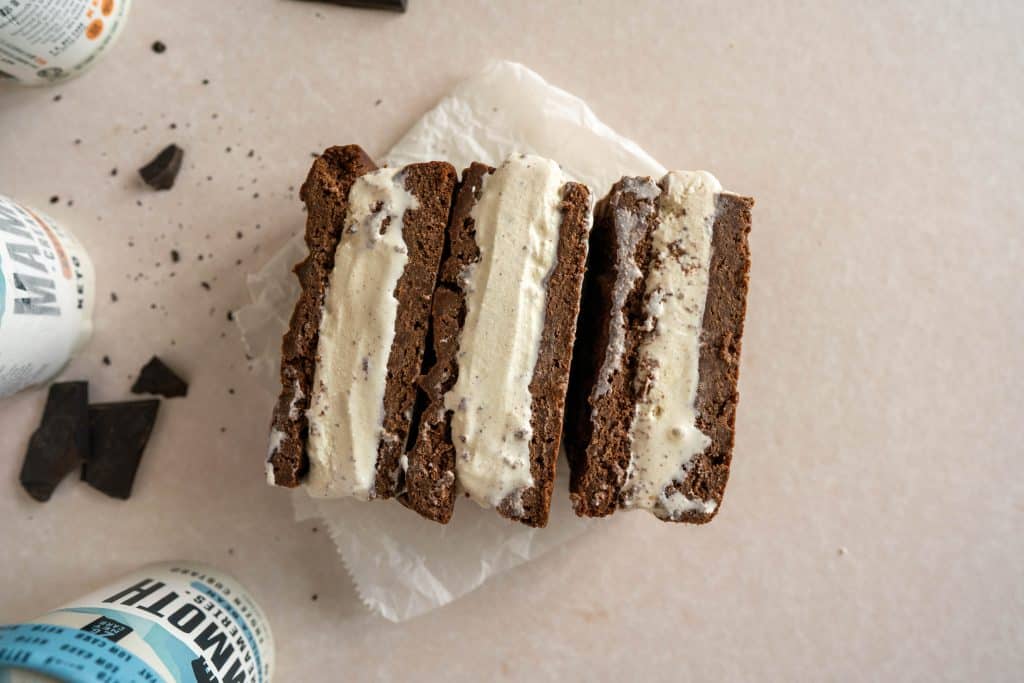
(873,525)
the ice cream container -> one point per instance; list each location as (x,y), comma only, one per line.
(47,291)
(46,41)
(174,622)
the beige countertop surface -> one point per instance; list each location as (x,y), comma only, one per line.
(874,524)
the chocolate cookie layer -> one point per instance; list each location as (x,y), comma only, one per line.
(430,476)
(433,185)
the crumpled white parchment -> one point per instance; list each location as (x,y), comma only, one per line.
(403,565)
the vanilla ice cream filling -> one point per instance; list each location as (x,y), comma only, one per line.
(664,434)
(517,222)
(357,328)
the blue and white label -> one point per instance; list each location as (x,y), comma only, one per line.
(169,623)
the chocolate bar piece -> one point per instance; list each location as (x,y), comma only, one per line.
(118,433)
(60,442)
(393,5)
(156,378)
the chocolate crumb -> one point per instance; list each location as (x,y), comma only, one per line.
(206,81)
(113,171)
(377,103)
(106,360)
(223,430)
(314,597)
(113,297)
(173,126)
(57,98)
(231,315)
(231,391)
(78,141)
(159,47)
(238,234)
(161,172)
(175,256)
(54,199)
(251,153)
(156,378)
(205,285)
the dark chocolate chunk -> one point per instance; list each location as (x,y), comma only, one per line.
(159,47)
(156,378)
(393,5)
(118,433)
(163,170)
(60,442)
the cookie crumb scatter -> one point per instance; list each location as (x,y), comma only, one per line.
(159,47)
